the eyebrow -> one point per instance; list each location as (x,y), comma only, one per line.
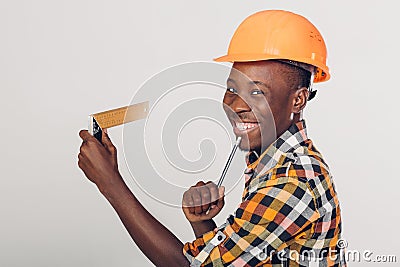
(230,80)
(258,83)
(250,82)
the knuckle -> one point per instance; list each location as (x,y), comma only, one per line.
(89,141)
(83,149)
(196,199)
(186,196)
(214,191)
(200,183)
(195,191)
(212,185)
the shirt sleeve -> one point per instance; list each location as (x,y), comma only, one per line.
(268,218)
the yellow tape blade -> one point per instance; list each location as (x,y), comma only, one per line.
(118,116)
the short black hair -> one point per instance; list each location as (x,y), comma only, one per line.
(297,77)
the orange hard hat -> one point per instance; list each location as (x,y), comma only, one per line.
(279,34)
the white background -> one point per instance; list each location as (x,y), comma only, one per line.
(62,60)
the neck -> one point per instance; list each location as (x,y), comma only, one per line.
(296,118)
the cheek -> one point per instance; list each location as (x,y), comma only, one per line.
(266,133)
(281,107)
(228,112)
(264,112)
(227,100)
(226,105)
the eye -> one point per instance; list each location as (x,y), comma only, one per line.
(231,90)
(257,92)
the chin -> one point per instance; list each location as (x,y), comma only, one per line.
(245,145)
(244,148)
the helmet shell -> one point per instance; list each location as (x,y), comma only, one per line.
(279,34)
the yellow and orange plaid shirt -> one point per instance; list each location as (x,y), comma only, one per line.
(289,215)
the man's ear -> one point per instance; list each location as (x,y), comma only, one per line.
(300,99)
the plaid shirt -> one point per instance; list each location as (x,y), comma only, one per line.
(289,211)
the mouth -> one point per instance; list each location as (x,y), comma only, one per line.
(243,128)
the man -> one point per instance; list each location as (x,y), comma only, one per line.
(289,209)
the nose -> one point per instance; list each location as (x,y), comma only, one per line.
(239,105)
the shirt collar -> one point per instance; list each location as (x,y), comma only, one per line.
(291,139)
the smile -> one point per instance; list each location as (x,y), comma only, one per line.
(242,127)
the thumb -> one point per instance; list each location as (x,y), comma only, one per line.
(221,200)
(221,192)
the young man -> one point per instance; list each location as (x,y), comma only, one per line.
(289,209)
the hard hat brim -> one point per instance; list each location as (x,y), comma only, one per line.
(322,69)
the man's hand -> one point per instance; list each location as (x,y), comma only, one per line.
(99,163)
(98,160)
(203,201)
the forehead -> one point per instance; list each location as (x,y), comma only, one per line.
(265,71)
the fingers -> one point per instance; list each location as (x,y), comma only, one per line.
(203,201)
(216,208)
(105,139)
(88,141)
(213,191)
(205,196)
(187,203)
(196,196)
(202,196)
(80,160)
(199,183)
(106,142)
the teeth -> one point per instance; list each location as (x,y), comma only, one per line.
(244,126)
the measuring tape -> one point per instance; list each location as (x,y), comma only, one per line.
(118,116)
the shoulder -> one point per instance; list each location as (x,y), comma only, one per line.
(306,162)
